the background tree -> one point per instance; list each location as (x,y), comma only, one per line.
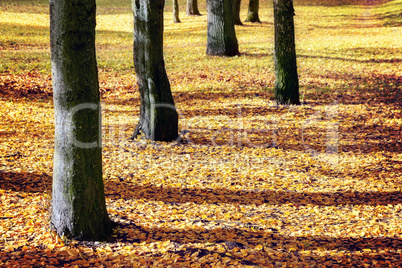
(79,209)
(252,15)
(158,116)
(192,7)
(221,38)
(236,12)
(176,18)
(287,82)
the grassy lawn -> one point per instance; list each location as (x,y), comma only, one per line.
(255,184)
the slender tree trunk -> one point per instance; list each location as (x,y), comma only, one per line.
(236,12)
(221,38)
(158,115)
(252,15)
(287,82)
(79,209)
(192,7)
(176,11)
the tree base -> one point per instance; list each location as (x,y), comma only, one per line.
(253,19)
(137,132)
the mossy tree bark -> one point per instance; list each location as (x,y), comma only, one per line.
(158,116)
(78,201)
(221,40)
(192,8)
(236,12)
(176,18)
(253,7)
(287,82)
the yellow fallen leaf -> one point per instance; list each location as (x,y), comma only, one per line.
(71,252)
(259,247)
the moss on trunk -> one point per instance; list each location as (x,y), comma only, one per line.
(78,202)
(192,8)
(253,7)
(287,82)
(221,40)
(176,18)
(236,12)
(158,115)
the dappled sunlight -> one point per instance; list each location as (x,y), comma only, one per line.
(249,182)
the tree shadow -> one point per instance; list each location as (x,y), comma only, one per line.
(269,237)
(196,97)
(25,182)
(256,55)
(331,3)
(122,190)
(351,60)
(375,89)
(31,182)
(278,248)
(352,25)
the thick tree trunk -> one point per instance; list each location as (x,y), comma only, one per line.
(236,12)
(252,15)
(221,38)
(192,7)
(79,209)
(287,82)
(158,115)
(176,18)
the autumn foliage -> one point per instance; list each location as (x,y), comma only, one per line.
(250,183)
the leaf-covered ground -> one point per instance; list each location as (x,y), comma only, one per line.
(252,183)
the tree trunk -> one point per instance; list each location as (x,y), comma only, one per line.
(158,115)
(221,38)
(252,15)
(236,12)
(78,201)
(192,7)
(287,82)
(176,11)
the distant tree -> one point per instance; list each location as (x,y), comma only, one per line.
(287,82)
(176,11)
(78,200)
(158,116)
(252,15)
(221,38)
(236,12)
(192,7)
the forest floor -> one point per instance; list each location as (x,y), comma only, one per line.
(253,184)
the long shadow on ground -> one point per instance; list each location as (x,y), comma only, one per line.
(29,182)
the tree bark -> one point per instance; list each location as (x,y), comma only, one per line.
(158,115)
(287,82)
(236,12)
(221,38)
(78,201)
(176,18)
(192,7)
(253,7)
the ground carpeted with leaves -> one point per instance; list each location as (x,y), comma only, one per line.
(250,183)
